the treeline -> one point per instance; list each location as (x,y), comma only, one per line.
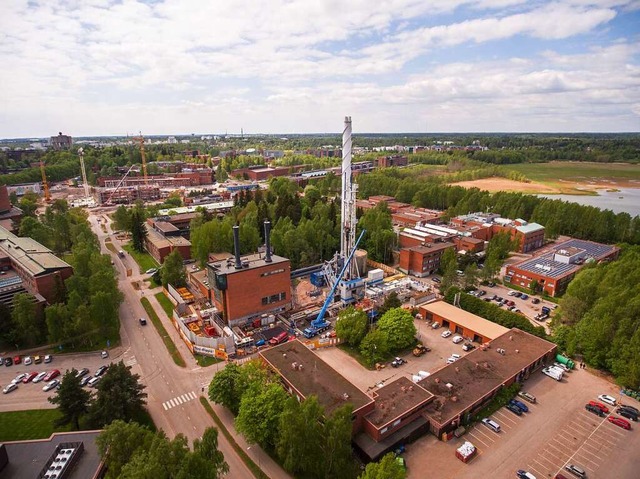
(559,217)
(599,317)
(305,440)
(493,313)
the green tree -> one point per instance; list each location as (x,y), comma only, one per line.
(72,400)
(380,238)
(351,325)
(259,413)
(207,447)
(399,327)
(138,229)
(471,274)
(374,347)
(338,457)
(172,271)
(32,228)
(25,319)
(122,219)
(448,261)
(225,387)
(387,468)
(120,396)
(119,442)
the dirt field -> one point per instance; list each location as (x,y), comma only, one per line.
(502,184)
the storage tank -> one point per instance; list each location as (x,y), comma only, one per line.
(565,360)
(361,261)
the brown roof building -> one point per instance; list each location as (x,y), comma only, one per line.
(422,260)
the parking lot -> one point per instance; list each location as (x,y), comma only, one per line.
(31,395)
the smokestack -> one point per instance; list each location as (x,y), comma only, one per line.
(236,246)
(267,240)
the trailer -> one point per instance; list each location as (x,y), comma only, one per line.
(566,361)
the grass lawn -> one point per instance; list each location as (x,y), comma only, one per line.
(205,361)
(31,424)
(253,467)
(111,247)
(168,342)
(145,260)
(166,304)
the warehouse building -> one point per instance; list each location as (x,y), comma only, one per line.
(461,322)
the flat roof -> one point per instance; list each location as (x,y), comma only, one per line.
(396,399)
(34,257)
(315,378)
(530,228)
(458,386)
(161,241)
(27,458)
(463,318)
(545,264)
(255,260)
(432,248)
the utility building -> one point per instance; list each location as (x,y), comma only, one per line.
(249,286)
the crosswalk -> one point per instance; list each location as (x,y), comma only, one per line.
(131,362)
(176,401)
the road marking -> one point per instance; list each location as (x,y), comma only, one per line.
(478,439)
(178,400)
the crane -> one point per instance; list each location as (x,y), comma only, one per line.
(140,140)
(108,202)
(320,324)
(84,173)
(45,185)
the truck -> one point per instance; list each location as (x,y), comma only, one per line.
(565,360)
(420,349)
(553,373)
(280,338)
(320,324)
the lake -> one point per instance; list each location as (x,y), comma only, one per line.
(626,200)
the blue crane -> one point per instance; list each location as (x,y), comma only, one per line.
(320,324)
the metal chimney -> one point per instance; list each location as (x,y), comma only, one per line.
(236,246)
(267,240)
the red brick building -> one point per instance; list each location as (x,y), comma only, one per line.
(389,161)
(9,215)
(422,260)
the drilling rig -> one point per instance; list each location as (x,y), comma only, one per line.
(45,185)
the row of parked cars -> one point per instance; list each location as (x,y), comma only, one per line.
(599,409)
(49,377)
(27,360)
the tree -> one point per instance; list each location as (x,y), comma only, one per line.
(138,229)
(399,327)
(207,447)
(72,399)
(387,468)
(258,415)
(471,273)
(120,396)
(374,347)
(122,219)
(338,457)
(351,325)
(448,261)
(224,388)
(119,442)
(172,271)
(25,319)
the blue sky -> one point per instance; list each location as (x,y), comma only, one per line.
(103,67)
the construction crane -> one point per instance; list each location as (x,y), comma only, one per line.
(320,324)
(84,173)
(140,140)
(45,185)
(108,202)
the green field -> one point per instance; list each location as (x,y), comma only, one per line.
(145,260)
(31,424)
(166,339)
(551,173)
(165,303)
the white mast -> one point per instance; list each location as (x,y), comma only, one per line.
(84,174)
(348,205)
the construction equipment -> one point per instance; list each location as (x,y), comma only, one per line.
(85,183)
(140,140)
(45,185)
(320,324)
(108,202)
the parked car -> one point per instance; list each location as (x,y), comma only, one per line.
(100,371)
(562,366)
(600,406)
(491,424)
(527,396)
(535,300)
(524,296)
(631,408)
(151,271)
(511,293)
(82,372)
(517,294)
(627,413)
(37,359)
(50,385)
(27,360)
(260,342)
(491,284)
(524,474)
(8,362)
(397,362)
(85,380)
(514,409)
(51,375)
(17,360)
(435,279)
(19,378)
(618,421)
(143,321)
(435,325)
(30,377)
(576,470)
(104,354)
(446,334)
(519,404)
(468,346)
(607,399)
(9,387)
(48,358)
(457,339)
(39,377)
(595,410)
(481,292)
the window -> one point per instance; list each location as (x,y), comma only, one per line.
(274,298)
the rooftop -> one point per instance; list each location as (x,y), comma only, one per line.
(395,400)
(481,326)
(458,386)
(30,254)
(251,261)
(161,241)
(431,247)
(529,228)
(313,376)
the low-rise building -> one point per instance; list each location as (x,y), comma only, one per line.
(60,142)
(160,245)
(390,161)
(424,260)
(554,270)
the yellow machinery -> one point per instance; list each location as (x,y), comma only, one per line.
(45,185)
(140,140)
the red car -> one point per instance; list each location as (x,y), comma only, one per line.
(53,374)
(600,406)
(16,360)
(29,377)
(618,421)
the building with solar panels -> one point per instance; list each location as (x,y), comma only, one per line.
(555,269)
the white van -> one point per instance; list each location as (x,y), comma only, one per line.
(93,381)
(491,424)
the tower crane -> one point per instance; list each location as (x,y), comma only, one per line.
(45,185)
(140,140)
(84,173)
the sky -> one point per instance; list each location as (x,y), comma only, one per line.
(117,67)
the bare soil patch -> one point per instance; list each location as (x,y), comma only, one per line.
(503,184)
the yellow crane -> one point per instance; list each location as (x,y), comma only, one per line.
(45,185)
(140,140)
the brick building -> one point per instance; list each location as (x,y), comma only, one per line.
(249,286)
(422,260)
(27,266)
(262,173)
(60,142)
(9,215)
(389,161)
(555,269)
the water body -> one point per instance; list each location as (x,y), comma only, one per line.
(627,200)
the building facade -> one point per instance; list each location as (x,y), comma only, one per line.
(424,260)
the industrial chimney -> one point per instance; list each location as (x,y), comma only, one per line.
(236,246)
(267,240)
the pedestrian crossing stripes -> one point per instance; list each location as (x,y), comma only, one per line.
(176,401)
(131,362)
